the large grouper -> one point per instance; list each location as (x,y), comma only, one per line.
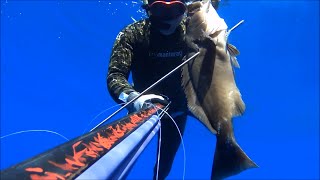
(210,87)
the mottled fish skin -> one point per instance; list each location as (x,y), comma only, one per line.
(210,88)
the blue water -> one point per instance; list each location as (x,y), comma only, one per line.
(54,59)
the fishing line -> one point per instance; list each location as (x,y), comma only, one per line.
(159,142)
(56,133)
(27,131)
(182,142)
(100,114)
(159,150)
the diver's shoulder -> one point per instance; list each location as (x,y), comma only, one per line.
(137,30)
(138,25)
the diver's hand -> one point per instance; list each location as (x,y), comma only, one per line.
(143,101)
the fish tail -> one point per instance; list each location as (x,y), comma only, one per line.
(229,159)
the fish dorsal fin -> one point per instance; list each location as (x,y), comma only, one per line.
(233,51)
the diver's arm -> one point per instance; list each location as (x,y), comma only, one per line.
(119,70)
(120,65)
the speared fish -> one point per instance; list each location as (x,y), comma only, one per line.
(210,87)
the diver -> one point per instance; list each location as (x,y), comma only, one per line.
(149,49)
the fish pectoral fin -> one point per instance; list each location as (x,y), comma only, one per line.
(232,50)
(235,62)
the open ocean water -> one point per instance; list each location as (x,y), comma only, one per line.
(54,59)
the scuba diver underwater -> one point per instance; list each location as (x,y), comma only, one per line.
(204,88)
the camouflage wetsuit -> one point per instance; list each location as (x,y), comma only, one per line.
(149,55)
